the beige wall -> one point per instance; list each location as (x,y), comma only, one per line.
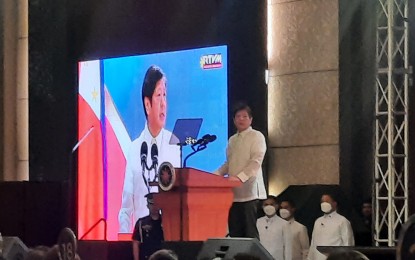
(303,93)
(15,98)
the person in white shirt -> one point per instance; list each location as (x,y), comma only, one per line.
(137,176)
(274,232)
(244,155)
(300,242)
(332,229)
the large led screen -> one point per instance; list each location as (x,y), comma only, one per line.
(137,108)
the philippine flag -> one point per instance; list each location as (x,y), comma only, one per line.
(90,153)
(103,145)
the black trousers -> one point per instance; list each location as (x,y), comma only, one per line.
(242,219)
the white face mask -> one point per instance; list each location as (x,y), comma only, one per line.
(325,207)
(269,210)
(284,213)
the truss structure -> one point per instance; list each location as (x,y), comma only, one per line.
(391,151)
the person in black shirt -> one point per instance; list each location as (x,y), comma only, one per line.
(148,232)
(364,232)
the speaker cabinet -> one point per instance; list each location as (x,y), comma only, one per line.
(227,248)
(405,248)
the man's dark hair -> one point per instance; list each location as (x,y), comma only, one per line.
(290,202)
(367,201)
(164,254)
(346,255)
(149,198)
(272,197)
(332,195)
(153,75)
(245,256)
(242,106)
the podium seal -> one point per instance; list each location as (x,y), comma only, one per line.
(167,176)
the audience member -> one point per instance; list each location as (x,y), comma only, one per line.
(47,253)
(164,254)
(274,232)
(300,241)
(364,234)
(37,253)
(245,256)
(332,229)
(346,255)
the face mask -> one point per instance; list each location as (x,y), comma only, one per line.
(269,210)
(284,213)
(325,207)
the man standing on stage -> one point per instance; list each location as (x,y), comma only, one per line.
(274,232)
(244,155)
(300,242)
(332,229)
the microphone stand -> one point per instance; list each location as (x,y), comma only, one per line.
(181,153)
(73,184)
(143,171)
(155,164)
(198,149)
(188,141)
(82,139)
(148,182)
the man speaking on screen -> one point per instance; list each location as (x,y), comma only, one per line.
(148,151)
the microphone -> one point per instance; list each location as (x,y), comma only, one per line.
(154,154)
(201,145)
(143,157)
(211,138)
(205,139)
(201,140)
(143,153)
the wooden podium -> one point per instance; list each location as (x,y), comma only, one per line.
(197,206)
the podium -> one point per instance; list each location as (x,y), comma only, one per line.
(196,207)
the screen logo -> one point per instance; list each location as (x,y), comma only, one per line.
(211,61)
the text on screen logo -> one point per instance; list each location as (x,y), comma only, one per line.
(211,61)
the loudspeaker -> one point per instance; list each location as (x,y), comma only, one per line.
(405,248)
(227,248)
(13,249)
